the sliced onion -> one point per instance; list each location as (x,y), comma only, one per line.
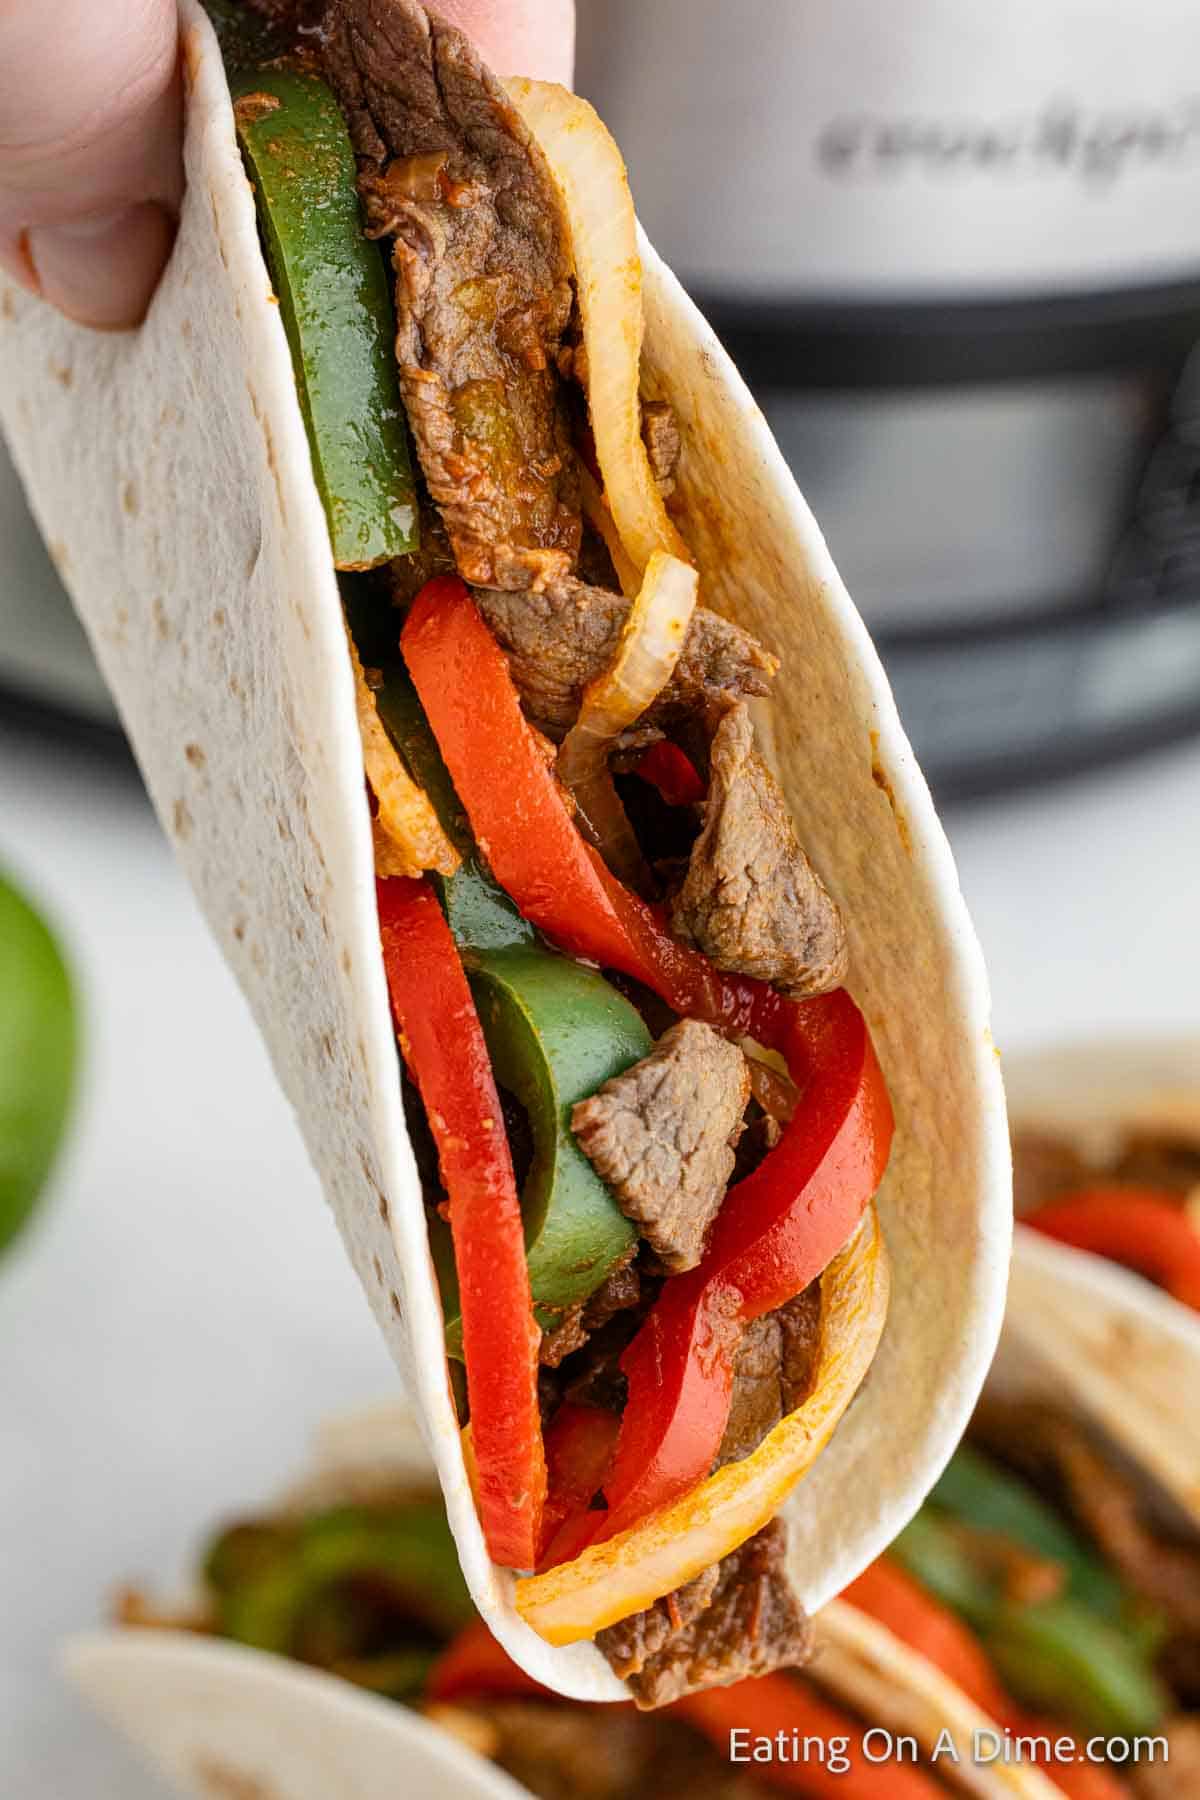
(408,837)
(592,184)
(775,1093)
(650,646)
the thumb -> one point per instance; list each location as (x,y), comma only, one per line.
(90,172)
(519,37)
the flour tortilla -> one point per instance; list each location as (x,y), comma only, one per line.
(205,1712)
(1131,1347)
(1093,1092)
(171,477)
(1094,1340)
(218,1720)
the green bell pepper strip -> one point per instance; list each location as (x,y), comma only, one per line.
(396,1674)
(985,1496)
(272,1583)
(1059,1656)
(480,914)
(336,309)
(941,1561)
(555,1032)
(1061,1659)
(37,1057)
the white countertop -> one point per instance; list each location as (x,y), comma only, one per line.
(182,1313)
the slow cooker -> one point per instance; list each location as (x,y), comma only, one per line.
(955,249)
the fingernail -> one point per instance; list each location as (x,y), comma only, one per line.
(102,271)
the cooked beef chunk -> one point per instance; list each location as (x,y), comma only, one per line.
(603,1753)
(1044,1166)
(634,1641)
(749,1623)
(1178,1774)
(450,175)
(760,1137)
(1051,1449)
(620,1289)
(563,637)
(660,434)
(591,1376)
(595,564)
(569,1335)
(1161,1160)
(661,1136)
(755,1407)
(772,1372)
(433,556)
(295,18)
(594,1377)
(751,899)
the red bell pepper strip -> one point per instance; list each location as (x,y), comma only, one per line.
(443,1045)
(781,1226)
(776,1703)
(776,1231)
(499,771)
(475,1666)
(1142,1228)
(889,1594)
(669,769)
(579,1447)
(521,822)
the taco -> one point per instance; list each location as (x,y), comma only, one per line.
(616,844)
(1106,1156)
(1047,1595)
(330,1642)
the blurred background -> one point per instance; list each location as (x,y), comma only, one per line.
(956,250)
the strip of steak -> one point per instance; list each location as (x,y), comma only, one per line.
(621,1289)
(1160,1159)
(751,900)
(1044,1166)
(662,1133)
(738,1619)
(773,1372)
(564,636)
(660,434)
(449,173)
(1048,1447)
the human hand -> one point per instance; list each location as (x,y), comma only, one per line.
(90,128)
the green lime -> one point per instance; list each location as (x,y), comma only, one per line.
(37,1056)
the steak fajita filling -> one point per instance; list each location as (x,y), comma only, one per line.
(1044,1582)
(648,1115)
(1135,1203)
(357,1576)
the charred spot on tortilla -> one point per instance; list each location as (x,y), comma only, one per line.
(226,1781)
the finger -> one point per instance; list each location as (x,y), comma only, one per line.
(520,37)
(90,170)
